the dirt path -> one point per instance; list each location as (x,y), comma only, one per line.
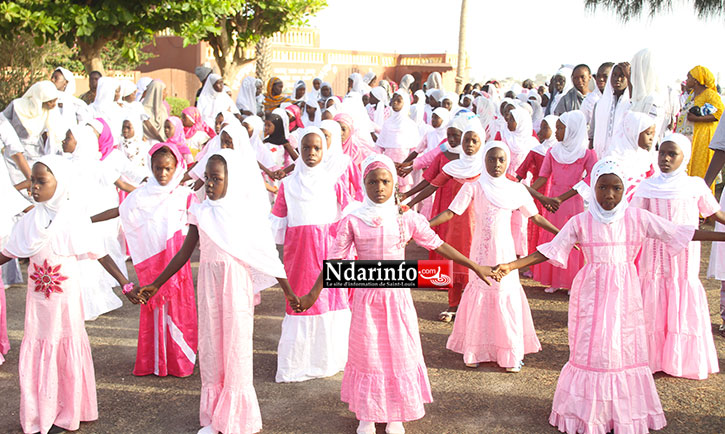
(466,401)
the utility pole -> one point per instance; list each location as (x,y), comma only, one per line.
(460,70)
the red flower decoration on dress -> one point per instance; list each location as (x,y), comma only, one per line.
(47,279)
(377,221)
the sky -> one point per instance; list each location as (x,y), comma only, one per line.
(521,38)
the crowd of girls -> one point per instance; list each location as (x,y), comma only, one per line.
(585,186)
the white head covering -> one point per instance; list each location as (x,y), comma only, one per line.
(377,214)
(368,77)
(247,96)
(127,88)
(105,94)
(576,140)
(399,131)
(312,101)
(336,160)
(57,221)
(418,109)
(299,84)
(434,81)
(646,85)
(70,88)
(436,135)
(501,191)
(282,113)
(141,86)
(264,155)
(29,108)
(486,111)
(676,184)
(606,129)
(459,122)
(467,166)
(238,223)
(607,166)
(211,102)
(352,104)
(310,191)
(543,147)
(358,84)
(625,148)
(520,141)
(406,81)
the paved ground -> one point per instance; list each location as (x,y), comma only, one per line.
(466,401)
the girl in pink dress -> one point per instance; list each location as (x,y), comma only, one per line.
(313,344)
(607,383)
(385,379)
(354,143)
(677,317)
(399,135)
(154,220)
(57,382)
(493,323)
(238,257)
(569,161)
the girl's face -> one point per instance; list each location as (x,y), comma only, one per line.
(349,83)
(226,141)
(446,104)
(670,157)
(187,121)
(218,85)
(127,130)
(130,97)
(602,77)
(216,179)
(544,132)
(511,122)
(328,137)
(163,167)
(299,92)
(466,102)
(326,92)
(316,84)
(560,130)
(609,191)
(69,143)
(311,150)
(345,130)
(59,81)
(42,183)
(310,109)
(496,162)
(454,136)
(268,128)
(249,129)
(436,121)
(50,105)
(372,100)
(379,185)
(168,128)
(506,109)
(218,121)
(690,82)
(434,104)
(646,138)
(471,143)
(326,115)
(277,88)
(619,80)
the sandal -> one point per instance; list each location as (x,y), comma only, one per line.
(446,316)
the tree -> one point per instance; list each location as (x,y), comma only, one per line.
(90,26)
(248,22)
(627,9)
(460,69)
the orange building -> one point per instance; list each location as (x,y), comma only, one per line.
(296,55)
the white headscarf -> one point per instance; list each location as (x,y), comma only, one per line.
(282,113)
(607,127)
(607,166)
(399,131)
(299,84)
(467,166)
(406,81)
(29,108)
(576,140)
(625,148)
(238,222)
(312,101)
(105,95)
(371,213)
(127,88)
(486,111)
(247,96)
(211,102)
(543,147)
(58,220)
(459,122)
(358,84)
(417,110)
(311,190)
(141,86)
(436,135)
(520,141)
(336,160)
(434,81)
(70,88)
(676,184)
(646,85)
(263,153)
(501,191)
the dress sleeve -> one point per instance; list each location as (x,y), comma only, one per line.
(717,102)
(421,231)
(278,216)
(344,239)
(427,159)
(422,145)
(557,250)
(639,202)
(441,179)
(525,166)
(675,236)
(706,203)
(528,209)
(463,199)
(545,170)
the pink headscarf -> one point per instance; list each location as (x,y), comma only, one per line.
(355,146)
(174,150)
(298,117)
(105,140)
(178,138)
(199,124)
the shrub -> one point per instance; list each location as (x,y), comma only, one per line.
(177,105)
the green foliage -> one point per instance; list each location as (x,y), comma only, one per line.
(177,105)
(628,9)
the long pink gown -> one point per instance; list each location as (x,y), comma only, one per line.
(676,313)
(493,323)
(561,178)
(4,341)
(226,322)
(519,224)
(385,379)
(57,380)
(607,383)
(313,343)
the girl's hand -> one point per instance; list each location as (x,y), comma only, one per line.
(279,174)
(306,302)
(500,271)
(134,298)
(293,301)
(404,171)
(147,292)
(484,271)
(550,203)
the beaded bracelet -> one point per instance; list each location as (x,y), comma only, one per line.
(127,288)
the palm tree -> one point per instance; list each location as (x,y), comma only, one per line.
(264,59)
(460,70)
(627,9)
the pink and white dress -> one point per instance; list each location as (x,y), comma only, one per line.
(607,382)
(154,219)
(493,323)
(385,379)
(676,312)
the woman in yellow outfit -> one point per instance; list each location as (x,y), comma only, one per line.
(701,83)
